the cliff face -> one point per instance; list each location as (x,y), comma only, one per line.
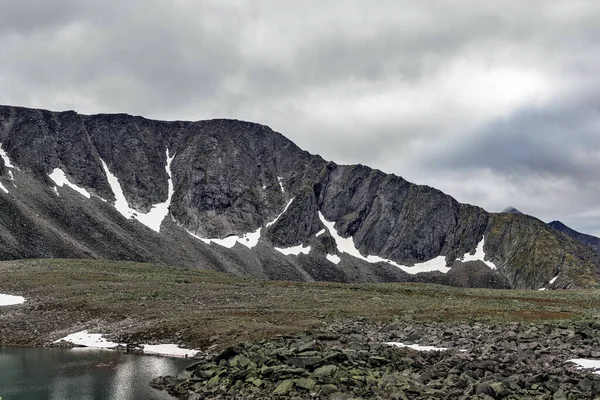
(238,197)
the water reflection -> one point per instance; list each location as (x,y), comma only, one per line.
(60,374)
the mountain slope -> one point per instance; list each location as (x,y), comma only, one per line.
(238,197)
(588,240)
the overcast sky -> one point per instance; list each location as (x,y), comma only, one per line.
(496,103)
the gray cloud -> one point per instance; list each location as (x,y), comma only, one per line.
(554,141)
(496,104)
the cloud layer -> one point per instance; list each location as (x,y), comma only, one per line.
(495,103)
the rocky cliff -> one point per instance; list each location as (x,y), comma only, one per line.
(589,240)
(238,197)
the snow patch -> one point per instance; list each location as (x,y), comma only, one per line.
(10,300)
(435,264)
(249,240)
(60,178)
(280,180)
(4,189)
(97,341)
(56,191)
(542,288)
(283,212)
(295,250)
(5,158)
(479,255)
(553,279)
(587,363)
(83,338)
(153,218)
(346,245)
(121,202)
(333,258)
(11,176)
(171,350)
(416,346)
(322,231)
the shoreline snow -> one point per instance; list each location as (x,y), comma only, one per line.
(97,341)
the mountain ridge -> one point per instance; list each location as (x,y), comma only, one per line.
(583,238)
(232,179)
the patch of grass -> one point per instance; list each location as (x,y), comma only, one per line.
(197,307)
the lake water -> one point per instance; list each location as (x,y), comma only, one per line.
(81,374)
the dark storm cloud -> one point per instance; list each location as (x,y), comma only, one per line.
(554,141)
(494,103)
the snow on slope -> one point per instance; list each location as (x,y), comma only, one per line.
(158,212)
(295,250)
(153,218)
(5,158)
(9,300)
(346,245)
(333,258)
(283,212)
(7,164)
(249,239)
(60,178)
(479,256)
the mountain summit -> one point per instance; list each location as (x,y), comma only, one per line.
(238,197)
(511,210)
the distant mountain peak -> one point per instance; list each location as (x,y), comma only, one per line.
(583,238)
(511,210)
(557,224)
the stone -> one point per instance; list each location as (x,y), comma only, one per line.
(328,389)
(325,371)
(338,396)
(310,345)
(306,383)
(214,381)
(304,362)
(484,388)
(205,374)
(284,387)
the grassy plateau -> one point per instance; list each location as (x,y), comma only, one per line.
(199,308)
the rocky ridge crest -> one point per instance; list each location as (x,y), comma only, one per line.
(249,201)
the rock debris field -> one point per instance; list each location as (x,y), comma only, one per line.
(351,360)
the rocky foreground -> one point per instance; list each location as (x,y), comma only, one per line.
(350,360)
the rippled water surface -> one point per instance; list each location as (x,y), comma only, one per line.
(81,374)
